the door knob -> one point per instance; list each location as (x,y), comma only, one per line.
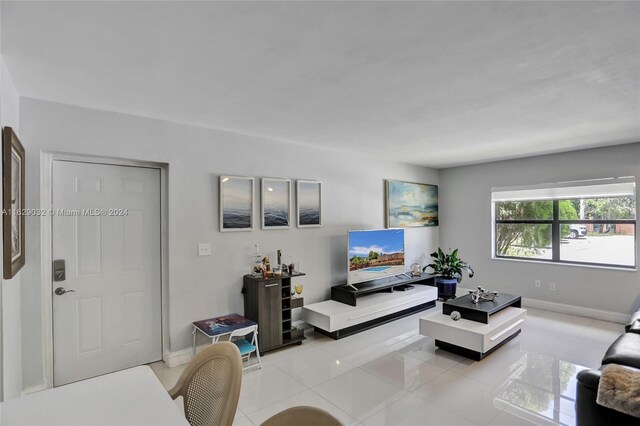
(60,291)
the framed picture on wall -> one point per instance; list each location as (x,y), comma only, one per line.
(411,204)
(236,203)
(12,203)
(309,203)
(276,203)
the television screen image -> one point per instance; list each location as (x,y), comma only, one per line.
(375,254)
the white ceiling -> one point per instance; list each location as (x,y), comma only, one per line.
(431,83)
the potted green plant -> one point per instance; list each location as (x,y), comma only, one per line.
(448,268)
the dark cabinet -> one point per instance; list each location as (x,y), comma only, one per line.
(269,314)
(267,301)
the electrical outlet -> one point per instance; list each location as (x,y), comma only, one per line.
(537,283)
(552,286)
(204,249)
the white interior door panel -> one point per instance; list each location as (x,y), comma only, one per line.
(106,227)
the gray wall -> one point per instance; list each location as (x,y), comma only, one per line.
(465,206)
(11,324)
(200,287)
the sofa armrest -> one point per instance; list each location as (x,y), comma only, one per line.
(633,328)
(635,319)
(589,378)
(588,412)
(624,351)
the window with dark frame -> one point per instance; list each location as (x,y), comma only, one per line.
(592,224)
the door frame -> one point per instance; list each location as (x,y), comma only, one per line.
(46,255)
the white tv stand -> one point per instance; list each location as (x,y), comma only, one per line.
(377,304)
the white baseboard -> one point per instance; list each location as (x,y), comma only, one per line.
(173,359)
(34,389)
(576,310)
(183,356)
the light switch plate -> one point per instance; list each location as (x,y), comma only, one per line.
(204,249)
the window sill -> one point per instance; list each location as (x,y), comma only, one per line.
(580,265)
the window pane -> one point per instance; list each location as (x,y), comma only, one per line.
(598,208)
(524,210)
(612,244)
(523,240)
(569,209)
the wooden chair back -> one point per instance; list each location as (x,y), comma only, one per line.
(302,415)
(210,386)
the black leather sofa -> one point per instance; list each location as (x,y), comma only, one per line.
(624,351)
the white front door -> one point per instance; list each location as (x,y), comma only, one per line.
(106,228)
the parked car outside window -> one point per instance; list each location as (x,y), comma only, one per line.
(577,231)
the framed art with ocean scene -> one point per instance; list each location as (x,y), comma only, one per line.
(12,203)
(276,203)
(411,204)
(236,203)
(309,202)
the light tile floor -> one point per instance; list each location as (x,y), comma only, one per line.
(391,375)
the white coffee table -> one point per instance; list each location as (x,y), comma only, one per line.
(473,339)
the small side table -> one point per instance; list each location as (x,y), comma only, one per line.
(214,328)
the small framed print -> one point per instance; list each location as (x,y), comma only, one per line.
(309,203)
(12,203)
(276,203)
(236,203)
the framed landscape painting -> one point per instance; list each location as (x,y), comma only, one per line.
(309,197)
(411,204)
(236,203)
(12,203)
(276,203)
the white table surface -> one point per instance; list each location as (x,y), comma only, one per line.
(496,320)
(129,397)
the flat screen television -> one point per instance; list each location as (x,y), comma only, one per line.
(375,254)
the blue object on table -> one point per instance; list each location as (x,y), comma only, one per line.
(223,325)
(231,325)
